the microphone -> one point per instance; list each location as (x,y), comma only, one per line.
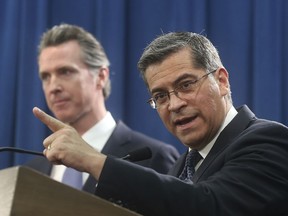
(18,150)
(133,156)
(138,154)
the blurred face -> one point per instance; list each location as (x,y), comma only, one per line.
(196,117)
(72,93)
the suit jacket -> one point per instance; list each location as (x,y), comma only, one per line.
(245,173)
(122,141)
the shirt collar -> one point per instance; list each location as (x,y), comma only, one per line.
(230,115)
(98,135)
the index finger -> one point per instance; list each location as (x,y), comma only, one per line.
(53,123)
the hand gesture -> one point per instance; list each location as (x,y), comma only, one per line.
(65,146)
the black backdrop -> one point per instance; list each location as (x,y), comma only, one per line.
(251,36)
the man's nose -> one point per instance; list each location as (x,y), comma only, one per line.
(55,85)
(175,102)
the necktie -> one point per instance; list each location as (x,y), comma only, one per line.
(72,178)
(192,158)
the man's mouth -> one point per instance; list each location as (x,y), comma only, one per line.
(59,102)
(184,121)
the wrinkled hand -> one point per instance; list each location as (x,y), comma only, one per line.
(65,146)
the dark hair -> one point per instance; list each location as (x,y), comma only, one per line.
(203,54)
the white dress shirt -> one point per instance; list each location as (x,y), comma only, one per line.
(204,152)
(96,136)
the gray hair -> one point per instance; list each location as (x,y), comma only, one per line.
(203,54)
(94,55)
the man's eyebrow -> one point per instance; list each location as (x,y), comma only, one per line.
(42,72)
(184,76)
(175,82)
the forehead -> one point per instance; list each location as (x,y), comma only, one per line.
(170,69)
(60,55)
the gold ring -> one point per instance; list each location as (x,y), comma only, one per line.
(49,147)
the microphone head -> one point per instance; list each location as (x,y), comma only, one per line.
(139,154)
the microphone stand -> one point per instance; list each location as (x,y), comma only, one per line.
(18,150)
(133,156)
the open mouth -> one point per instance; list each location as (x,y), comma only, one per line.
(184,121)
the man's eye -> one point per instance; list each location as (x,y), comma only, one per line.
(44,77)
(160,96)
(65,72)
(186,85)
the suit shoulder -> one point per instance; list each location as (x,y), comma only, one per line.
(267,127)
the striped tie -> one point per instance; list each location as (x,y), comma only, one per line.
(192,158)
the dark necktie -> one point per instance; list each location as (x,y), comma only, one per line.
(192,158)
(73,178)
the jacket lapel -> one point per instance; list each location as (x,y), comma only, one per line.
(113,146)
(232,130)
(116,143)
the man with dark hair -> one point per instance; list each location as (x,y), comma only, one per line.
(235,164)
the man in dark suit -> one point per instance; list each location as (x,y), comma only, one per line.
(74,71)
(235,164)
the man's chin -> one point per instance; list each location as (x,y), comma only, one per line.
(63,118)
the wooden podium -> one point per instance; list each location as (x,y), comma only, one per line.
(25,192)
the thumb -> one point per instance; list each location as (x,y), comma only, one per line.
(49,121)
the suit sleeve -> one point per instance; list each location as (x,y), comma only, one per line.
(249,178)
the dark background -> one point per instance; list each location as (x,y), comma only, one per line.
(251,36)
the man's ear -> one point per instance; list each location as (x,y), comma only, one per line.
(222,78)
(103,76)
